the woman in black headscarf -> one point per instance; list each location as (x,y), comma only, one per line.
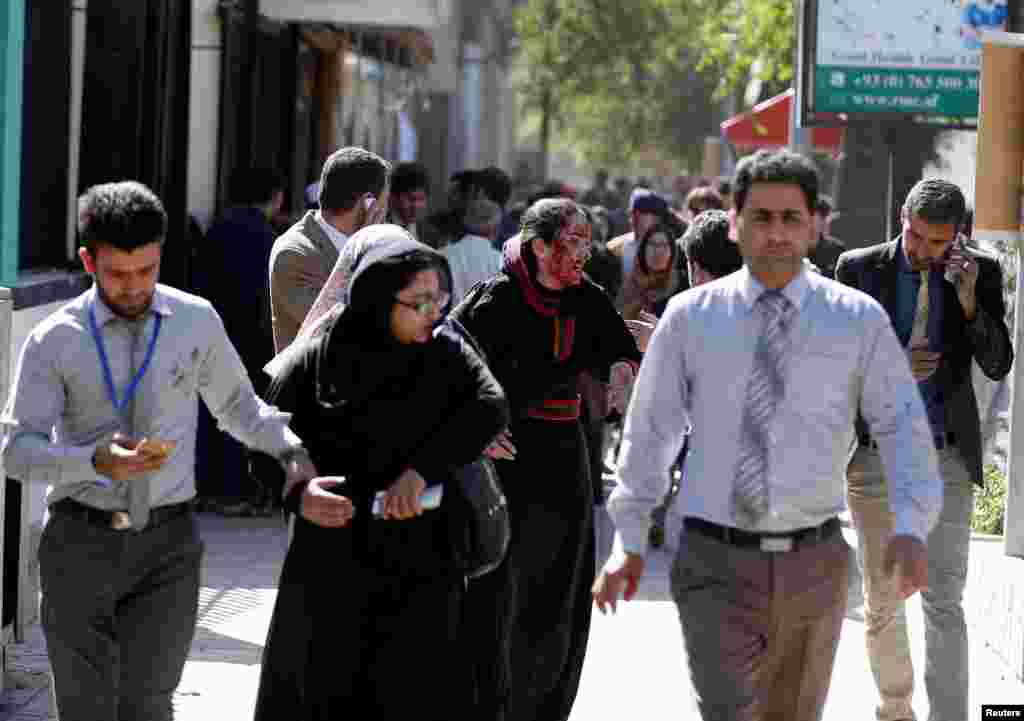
(365,619)
(541,322)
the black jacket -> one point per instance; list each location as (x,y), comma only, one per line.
(434,412)
(986,339)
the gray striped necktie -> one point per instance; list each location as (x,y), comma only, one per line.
(138,488)
(765,390)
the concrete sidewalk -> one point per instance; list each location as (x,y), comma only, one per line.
(635,665)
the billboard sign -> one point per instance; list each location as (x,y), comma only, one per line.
(921,57)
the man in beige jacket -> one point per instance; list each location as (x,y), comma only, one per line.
(353,194)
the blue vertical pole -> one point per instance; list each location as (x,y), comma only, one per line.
(12,40)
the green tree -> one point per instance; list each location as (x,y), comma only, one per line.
(742,40)
(615,79)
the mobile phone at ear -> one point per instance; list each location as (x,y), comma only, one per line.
(952,275)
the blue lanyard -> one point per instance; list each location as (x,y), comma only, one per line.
(133,385)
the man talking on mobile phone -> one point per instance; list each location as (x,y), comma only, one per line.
(354,187)
(945,301)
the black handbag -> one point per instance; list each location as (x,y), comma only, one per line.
(477,511)
(478,518)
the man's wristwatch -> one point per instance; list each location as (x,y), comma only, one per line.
(291,454)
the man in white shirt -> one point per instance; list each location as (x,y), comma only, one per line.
(353,193)
(473,257)
(770,366)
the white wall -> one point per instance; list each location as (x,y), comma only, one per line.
(959,152)
(204,109)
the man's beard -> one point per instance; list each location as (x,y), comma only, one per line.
(132,311)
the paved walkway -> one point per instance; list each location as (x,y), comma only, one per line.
(635,667)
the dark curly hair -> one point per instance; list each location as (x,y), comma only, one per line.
(126,215)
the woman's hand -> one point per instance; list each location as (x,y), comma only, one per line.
(642,330)
(402,498)
(501,449)
(620,387)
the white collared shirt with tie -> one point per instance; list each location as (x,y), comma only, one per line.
(845,357)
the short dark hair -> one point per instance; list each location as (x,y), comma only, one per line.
(641,249)
(255,186)
(775,166)
(126,215)
(707,244)
(496,184)
(936,201)
(407,177)
(349,173)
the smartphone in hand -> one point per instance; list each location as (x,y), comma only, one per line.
(952,274)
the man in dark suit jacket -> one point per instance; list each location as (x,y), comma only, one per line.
(946,304)
(826,248)
(353,193)
(232,275)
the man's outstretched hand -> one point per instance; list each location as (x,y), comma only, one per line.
(619,576)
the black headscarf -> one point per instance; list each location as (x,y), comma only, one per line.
(360,351)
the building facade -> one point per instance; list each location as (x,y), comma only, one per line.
(178,94)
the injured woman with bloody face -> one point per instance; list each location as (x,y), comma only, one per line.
(541,322)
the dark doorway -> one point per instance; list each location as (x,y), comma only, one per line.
(135,108)
(268,104)
(44,157)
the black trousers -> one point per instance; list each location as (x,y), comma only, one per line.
(526,624)
(118,612)
(367,634)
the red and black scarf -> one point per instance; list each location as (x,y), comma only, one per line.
(546,303)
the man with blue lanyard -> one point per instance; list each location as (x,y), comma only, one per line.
(103,410)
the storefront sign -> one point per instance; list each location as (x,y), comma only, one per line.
(913,56)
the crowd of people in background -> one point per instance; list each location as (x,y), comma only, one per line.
(637,258)
(356,357)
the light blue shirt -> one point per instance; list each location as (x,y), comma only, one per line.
(59,409)
(695,371)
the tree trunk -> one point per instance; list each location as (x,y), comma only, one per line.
(545,131)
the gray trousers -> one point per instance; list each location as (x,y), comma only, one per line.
(761,629)
(118,612)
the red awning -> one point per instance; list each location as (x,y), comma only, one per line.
(767,126)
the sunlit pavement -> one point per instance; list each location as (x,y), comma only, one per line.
(635,665)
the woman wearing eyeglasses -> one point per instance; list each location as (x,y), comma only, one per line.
(654,278)
(366,612)
(541,322)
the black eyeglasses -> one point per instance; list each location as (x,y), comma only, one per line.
(425,305)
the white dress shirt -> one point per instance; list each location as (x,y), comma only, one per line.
(845,356)
(472,260)
(337,237)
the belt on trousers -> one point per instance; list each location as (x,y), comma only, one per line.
(773,542)
(554,410)
(117,520)
(941,441)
